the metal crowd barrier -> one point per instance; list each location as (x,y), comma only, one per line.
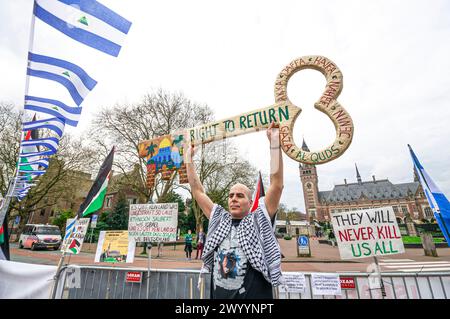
(397,286)
(93,282)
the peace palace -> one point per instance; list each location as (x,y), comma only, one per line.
(406,198)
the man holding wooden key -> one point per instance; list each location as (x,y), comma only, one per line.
(241,250)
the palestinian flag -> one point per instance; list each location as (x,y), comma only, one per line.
(4,243)
(96,195)
(75,246)
(2,235)
(259,192)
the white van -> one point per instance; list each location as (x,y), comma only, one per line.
(40,236)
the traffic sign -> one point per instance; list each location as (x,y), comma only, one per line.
(94,221)
(303,241)
(303,249)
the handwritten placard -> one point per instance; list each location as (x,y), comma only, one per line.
(367,232)
(295,282)
(72,245)
(325,284)
(153,222)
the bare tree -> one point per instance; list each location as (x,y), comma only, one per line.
(125,126)
(60,180)
(10,133)
(162,113)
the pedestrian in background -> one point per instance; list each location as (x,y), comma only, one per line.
(188,244)
(200,243)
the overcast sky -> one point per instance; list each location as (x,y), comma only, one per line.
(394,56)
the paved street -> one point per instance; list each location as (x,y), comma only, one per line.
(325,258)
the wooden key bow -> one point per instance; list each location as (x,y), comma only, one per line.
(165,153)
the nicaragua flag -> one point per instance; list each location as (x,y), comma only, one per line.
(55,124)
(50,142)
(34,172)
(437,200)
(85,21)
(70,115)
(35,160)
(34,154)
(70,75)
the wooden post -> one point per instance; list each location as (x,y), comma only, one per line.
(428,245)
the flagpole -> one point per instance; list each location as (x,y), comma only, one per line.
(422,179)
(61,260)
(27,85)
(13,181)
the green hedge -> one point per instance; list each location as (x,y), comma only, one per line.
(417,240)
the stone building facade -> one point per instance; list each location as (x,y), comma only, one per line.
(78,186)
(407,199)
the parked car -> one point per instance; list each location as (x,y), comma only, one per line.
(36,236)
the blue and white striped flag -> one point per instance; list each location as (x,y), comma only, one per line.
(34,154)
(50,142)
(39,162)
(70,115)
(36,172)
(55,124)
(437,200)
(70,75)
(24,185)
(86,21)
(70,228)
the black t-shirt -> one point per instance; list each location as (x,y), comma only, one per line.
(233,277)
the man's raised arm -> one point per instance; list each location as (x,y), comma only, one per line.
(198,192)
(273,195)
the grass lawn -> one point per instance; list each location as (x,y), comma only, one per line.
(416,240)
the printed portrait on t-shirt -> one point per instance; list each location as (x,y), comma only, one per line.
(230,263)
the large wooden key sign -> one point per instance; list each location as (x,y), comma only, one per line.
(165,154)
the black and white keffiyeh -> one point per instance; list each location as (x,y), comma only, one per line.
(256,237)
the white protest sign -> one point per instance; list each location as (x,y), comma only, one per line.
(367,232)
(325,284)
(114,246)
(153,222)
(295,282)
(73,243)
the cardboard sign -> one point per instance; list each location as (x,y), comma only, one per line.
(295,282)
(153,222)
(367,232)
(115,247)
(133,277)
(348,283)
(326,284)
(72,245)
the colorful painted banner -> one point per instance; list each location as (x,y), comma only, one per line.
(153,222)
(367,232)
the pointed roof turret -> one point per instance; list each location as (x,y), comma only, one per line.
(304,146)
(358,177)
